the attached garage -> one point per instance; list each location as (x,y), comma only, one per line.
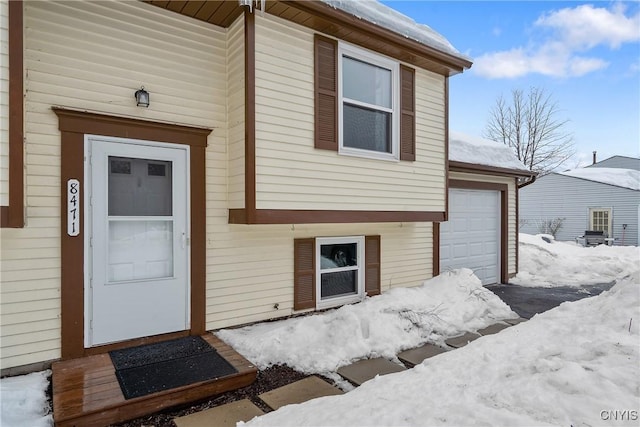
(471,237)
(481,227)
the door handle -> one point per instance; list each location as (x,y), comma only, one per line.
(184,240)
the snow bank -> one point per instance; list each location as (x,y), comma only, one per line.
(399,319)
(574,365)
(24,402)
(544,264)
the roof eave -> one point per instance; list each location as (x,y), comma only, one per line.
(454,64)
(492,170)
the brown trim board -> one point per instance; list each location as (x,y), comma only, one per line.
(249,117)
(446,151)
(487,170)
(73,126)
(284,216)
(435,258)
(517,226)
(12,216)
(504,222)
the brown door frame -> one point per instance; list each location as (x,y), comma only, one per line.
(504,224)
(74,125)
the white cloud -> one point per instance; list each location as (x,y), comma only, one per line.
(585,26)
(574,30)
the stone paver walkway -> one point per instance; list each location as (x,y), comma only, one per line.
(300,391)
(366,369)
(221,416)
(313,387)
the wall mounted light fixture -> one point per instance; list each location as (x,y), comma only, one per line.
(142,97)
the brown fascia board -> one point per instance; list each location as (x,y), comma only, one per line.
(454,64)
(491,170)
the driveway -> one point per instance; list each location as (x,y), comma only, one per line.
(528,301)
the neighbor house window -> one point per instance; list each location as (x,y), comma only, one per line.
(339,270)
(600,220)
(368,104)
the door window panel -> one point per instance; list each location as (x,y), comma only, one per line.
(139,187)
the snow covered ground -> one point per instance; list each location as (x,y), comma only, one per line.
(23,401)
(547,264)
(574,365)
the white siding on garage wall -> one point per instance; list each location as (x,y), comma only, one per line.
(250,268)
(94,55)
(511,206)
(4,102)
(292,174)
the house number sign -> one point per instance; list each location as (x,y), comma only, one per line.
(73,207)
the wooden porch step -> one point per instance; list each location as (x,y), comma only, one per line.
(86,391)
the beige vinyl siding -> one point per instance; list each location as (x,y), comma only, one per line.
(93,56)
(4,102)
(253,266)
(511,206)
(291,174)
(235,110)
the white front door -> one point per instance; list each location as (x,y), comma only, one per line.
(137,239)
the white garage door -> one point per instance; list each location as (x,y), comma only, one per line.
(471,237)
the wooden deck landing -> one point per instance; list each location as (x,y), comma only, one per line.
(86,391)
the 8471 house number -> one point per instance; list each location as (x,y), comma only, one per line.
(73,207)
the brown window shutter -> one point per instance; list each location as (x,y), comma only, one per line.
(372,265)
(407,114)
(326,93)
(304,272)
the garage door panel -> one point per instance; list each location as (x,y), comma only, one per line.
(470,239)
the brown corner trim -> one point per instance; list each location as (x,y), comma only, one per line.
(446,152)
(504,217)
(74,125)
(12,216)
(436,250)
(249,116)
(517,227)
(489,170)
(288,216)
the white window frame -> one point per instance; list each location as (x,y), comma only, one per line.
(379,61)
(609,221)
(345,299)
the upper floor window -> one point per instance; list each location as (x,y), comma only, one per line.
(368,104)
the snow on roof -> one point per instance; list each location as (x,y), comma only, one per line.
(480,151)
(386,17)
(626,178)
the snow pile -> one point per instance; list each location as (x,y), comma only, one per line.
(401,318)
(386,17)
(574,365)
(544,264)
(474,150)
(627,178)
(24,402)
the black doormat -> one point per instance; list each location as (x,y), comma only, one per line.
(156,367)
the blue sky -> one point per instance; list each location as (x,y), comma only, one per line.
(586,55)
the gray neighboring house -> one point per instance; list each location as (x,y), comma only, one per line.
(604,196)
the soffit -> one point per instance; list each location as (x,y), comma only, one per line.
(330,21)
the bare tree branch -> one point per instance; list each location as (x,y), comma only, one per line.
(531,127)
